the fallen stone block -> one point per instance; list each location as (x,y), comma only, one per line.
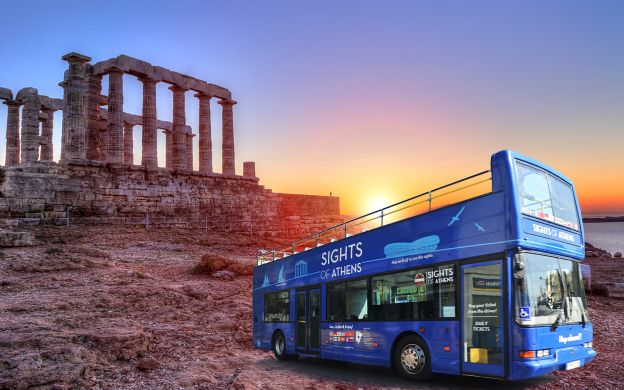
(10,238)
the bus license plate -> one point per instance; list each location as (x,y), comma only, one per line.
(572,365)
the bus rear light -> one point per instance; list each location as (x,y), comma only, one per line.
(447,348)
(588,344)
(421,329)
(527,354)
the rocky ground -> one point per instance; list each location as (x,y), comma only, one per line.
(110,307)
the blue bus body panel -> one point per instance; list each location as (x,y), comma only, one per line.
(488,225)
(371,342)
(467,229)
(565,344)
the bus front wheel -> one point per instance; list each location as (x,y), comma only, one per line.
(279,346)
(411,358)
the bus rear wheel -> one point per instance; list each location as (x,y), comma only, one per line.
(279,346)
(411,359)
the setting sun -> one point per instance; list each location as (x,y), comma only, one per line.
(376,202)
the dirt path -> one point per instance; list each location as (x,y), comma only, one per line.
(111,307)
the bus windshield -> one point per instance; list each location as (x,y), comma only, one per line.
(548,291)
(545,196)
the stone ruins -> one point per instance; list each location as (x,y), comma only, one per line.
(96,180)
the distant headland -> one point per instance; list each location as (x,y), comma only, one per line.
(603,219)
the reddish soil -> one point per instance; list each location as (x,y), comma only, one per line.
(110,307)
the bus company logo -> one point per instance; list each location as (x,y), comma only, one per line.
(486,284)
(347,254)
(565,340)
(438,276)
(552,232)
(419,279)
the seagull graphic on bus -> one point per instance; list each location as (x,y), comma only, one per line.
(456,217)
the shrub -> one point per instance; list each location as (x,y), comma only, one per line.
(211,263)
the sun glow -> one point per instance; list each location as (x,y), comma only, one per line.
(376,202)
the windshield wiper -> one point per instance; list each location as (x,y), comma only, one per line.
(555,324)
(564,302)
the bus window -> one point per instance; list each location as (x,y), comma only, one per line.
(420,294)
(347,301)
(546,197)
(277,307)
(336,302)
(534,193)
(564,203)
(357,300)
(548,290)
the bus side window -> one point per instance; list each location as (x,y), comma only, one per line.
(420,294)
(277,307)
(347,301)
(336,301)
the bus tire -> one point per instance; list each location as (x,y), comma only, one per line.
(411,358)
(279,346)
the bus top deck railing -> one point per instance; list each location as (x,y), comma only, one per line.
(416,205)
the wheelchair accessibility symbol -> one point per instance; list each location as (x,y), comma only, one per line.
(524,313)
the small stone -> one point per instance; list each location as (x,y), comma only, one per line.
(148,363)
(224,274)
(617,254)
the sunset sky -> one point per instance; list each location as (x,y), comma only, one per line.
(372,101)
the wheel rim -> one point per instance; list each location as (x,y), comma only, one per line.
(279,345)
(413,359)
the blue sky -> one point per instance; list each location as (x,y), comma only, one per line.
(335,95)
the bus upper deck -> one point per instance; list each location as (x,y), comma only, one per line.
(540,208)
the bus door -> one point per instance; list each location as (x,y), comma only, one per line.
(483,317)
(308,329)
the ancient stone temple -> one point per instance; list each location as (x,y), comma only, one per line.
(96,175)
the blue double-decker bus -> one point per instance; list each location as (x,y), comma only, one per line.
(477,277)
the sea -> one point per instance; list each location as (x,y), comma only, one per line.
(606,235)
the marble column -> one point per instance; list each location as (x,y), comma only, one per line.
(64,118)
(128,152)
(205,134)
(94,131)
(29,142)
(149,155)
(114,153)
(179,129)
(227,146)
(74,110)
(12,133)
(47,127)
(189,150)
(249,169)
